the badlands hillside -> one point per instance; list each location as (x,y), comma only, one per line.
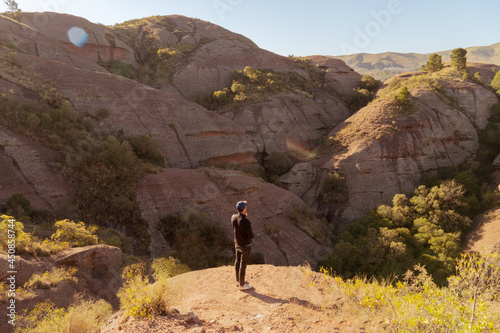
(153,129)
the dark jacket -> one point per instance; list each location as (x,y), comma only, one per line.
(242,229)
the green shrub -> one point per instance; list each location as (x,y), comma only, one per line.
(18,206)
(167,267)
(104,167)
(147,149)
(458,58)
(278,163)
(424,229)
(196,240)
(252,85)
(119,67)
(115,238)
(403,98)
(12,236)
(316,75)
(435,63)
(495,83)
(137,270)
(51,278)
(76,234)
(139,298)
(334,189)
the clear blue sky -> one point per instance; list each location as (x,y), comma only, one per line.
(333,27)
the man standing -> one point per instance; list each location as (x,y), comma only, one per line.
(243,236)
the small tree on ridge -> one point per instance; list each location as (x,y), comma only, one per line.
(459,59)
(435,63)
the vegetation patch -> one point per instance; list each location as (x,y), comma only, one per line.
(426,228)
(52,278)
(83,316)
(307,220)
(469,302)
(157,62)
(104,166)
(196,240)
(334,189)
(251,86)
(12,69)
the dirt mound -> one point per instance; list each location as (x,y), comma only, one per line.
(285,299)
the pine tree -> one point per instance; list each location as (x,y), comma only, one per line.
(459,59)
(435,63)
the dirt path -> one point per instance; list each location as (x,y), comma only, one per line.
(486,237)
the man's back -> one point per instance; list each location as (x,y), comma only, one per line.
(242,228)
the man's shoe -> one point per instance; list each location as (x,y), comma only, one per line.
(238,284)
(246,286)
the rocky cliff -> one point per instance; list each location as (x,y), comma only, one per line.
(386,150)
(188,134)
(215,192)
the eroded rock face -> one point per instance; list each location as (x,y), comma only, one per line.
(219,54)
(26,168)
(187,133)
(102,44)
(30,40)
(338,74)
(386,155)
(284,123)
(216,192)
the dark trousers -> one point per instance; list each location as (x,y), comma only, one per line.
(240,265)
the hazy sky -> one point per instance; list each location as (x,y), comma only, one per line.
(323,27)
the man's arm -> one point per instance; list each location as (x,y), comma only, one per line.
(249,229)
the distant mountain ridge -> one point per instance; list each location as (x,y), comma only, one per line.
(387,64)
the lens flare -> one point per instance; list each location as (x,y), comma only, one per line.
(299,150)
(78,36)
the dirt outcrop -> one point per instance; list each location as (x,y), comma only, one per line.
(386,152)
(285,299)
(219,53)
(215,192)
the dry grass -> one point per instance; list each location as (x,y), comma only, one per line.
(12,69)
(84,316)
(415,304)
(51,278)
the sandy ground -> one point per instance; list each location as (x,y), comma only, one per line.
(486,237)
